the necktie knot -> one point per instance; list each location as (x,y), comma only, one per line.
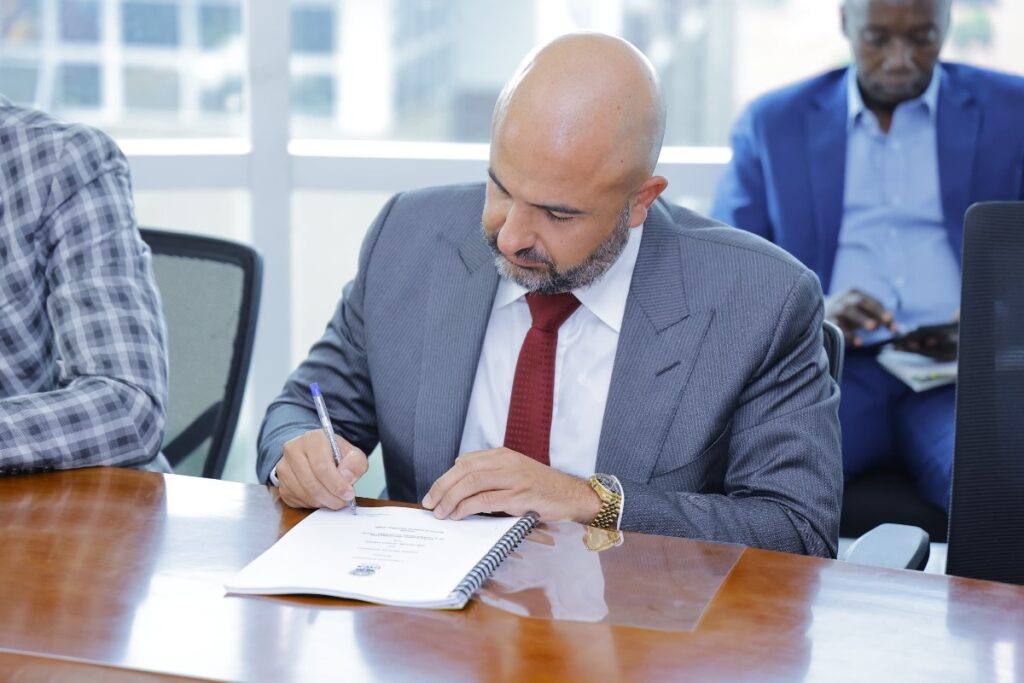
(549,311)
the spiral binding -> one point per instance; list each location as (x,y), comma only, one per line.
(494,557)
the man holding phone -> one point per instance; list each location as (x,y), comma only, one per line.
(865,174)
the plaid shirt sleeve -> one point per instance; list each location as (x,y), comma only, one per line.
(83,370)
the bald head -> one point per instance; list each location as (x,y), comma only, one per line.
(589,99)
(575,139)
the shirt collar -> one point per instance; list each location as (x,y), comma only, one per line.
(605,298)
(855,103)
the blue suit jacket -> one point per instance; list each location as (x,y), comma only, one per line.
(788,172)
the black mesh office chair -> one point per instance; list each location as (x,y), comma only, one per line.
(210,289)
(986,520)
(888,495)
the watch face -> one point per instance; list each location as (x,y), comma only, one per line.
(609,482)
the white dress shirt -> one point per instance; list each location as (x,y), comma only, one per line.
(583,366)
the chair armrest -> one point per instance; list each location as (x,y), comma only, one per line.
(896,546)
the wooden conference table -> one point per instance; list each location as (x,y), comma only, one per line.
(111,575)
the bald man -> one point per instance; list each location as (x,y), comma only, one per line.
(590,354)
(865,174)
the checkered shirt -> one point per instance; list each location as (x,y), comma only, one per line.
(83,369)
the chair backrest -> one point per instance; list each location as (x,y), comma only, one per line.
(834,349)
(210,289)
(986,517)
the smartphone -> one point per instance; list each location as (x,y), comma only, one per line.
(946,333)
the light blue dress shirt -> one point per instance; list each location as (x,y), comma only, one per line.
(893,244)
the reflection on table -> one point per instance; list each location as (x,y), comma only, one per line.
(110,573)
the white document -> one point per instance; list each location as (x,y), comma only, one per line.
(918,372)
(388,555)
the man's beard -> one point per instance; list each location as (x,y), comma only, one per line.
(553,280)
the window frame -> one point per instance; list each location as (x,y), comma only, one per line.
(271,166)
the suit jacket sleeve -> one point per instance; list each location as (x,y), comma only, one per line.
(338,362)
(740,199)
(782,482)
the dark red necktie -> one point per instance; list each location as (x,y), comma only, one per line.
(528,429)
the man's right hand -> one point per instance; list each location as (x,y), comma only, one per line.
(308,478)
(853,310)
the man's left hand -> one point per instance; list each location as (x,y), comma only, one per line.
(502,480)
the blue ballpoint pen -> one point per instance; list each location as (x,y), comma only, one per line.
(325,423)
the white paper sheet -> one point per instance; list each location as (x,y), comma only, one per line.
(388,555)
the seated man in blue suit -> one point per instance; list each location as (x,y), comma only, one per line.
(560,340)
(864,174)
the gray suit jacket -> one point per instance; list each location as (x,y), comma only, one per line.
(721,420)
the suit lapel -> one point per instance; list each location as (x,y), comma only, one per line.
(462,287)
(657,347)
(957,126)
(826,147)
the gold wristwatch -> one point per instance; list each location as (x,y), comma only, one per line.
(609,490)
